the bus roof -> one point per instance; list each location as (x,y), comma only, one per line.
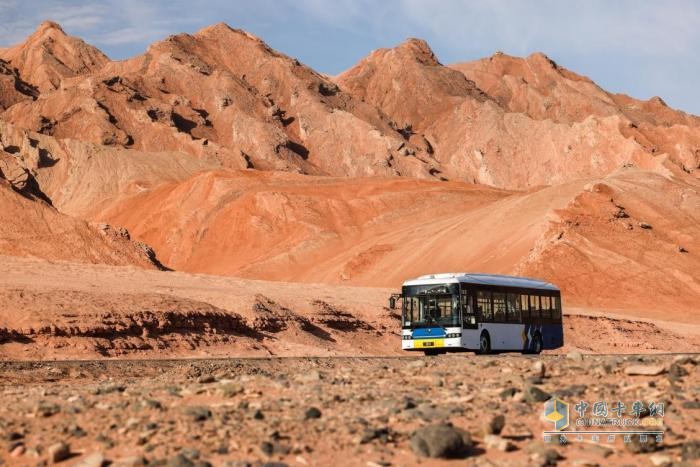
(482,279)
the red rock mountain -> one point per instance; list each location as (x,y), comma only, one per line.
(230,158)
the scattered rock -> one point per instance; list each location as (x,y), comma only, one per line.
(507,393)
(440,441)
(180,460)
(534,394)
(58,452)
(681,249)
(370,434)
(644,370)
(18,450)
(661,460)
(575,355)
(198,413)
(676,371)
(312,413)
(636,446)
(690,450)
(543,455)
(496,442)
(96,459)
(495,425)
(132,461)
(47,410)
(539,369)
(644,225)
(571,391)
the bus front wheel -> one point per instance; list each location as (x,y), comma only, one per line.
(537,344)
(484,343)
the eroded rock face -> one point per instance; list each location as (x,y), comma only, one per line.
(253,164)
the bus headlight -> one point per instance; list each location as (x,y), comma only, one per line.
(407,337)
(456,334)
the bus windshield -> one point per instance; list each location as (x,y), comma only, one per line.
(430,305)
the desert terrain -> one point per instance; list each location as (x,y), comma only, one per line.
(213,198)
(452,410)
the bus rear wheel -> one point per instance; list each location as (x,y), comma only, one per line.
(484,343)
(537,344)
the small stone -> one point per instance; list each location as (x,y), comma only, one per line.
(683,360)
(584,463)
(496,442)
(18,450)
(76,431)
(370,434)
(677,371)
(661,460)
(198,413)
(179,460)
(534,394)
(47,410)
(692,405)
(96,459)
(571,391)
(690,450)
(258,415)
(575,355)
(132,461)
(58,452)
(440,441)
(534,379)
(543,455)
(539,369)
(507,393)
(495,425)
(644,370)
(644,225)
(636,446)
(207,379)
(681,249)
(230,389)
(312,413)
(267,448)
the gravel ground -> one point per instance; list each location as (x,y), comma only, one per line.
(445,410)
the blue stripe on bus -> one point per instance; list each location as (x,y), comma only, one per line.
(428,333)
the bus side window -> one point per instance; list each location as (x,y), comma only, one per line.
(499,307)
(556,309)
(483,303)
(546,310)
(524,306)
(534,307)
(513,302)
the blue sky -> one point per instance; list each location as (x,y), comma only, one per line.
(642,48)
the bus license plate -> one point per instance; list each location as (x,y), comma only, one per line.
(423,343)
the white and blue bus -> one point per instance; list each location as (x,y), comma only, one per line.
(479,312)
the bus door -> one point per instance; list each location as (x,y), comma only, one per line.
(469,320)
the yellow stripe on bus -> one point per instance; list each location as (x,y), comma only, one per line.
(428,343)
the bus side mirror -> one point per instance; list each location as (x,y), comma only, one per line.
(392,303)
